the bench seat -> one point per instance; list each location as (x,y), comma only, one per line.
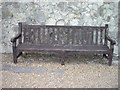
(46,47)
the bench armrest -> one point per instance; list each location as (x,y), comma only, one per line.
(16,37)
(111,40)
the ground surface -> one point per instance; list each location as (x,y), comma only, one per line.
(45,71)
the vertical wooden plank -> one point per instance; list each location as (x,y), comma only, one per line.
(64,35)
(34,35)
(96,40)
(72,35)
(77,35)
(47,30)
(68,35)
(24,34)
(101,37)
(89,37)
(20,31)
(57,33)
(82,35)
(47,36)
(106,33)
(50,35)
(30,30)
(53,35)
(43,35)
(39,31)
(60,36)
(29,35)
(92,37)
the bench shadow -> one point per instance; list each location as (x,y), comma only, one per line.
(69,59)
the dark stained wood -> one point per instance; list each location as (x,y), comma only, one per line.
(90,36)
(43,35)
(77,36)
(73,36)
(39,36)
(24,35)
(106,33)
(54,26)
(68,36)
(96,40)
(91,41)
(53,35)
(58,35)
(52,47)
(82,36)
(20,31)
(101,37)
(62,39)
(29,36)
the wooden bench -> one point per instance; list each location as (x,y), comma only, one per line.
(63,39)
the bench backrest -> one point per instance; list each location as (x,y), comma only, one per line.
(63,35)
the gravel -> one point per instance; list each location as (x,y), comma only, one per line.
(45,71)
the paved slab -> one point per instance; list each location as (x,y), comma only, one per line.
(45,71)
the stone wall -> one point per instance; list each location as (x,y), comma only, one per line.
(119,29)
(0,28)
(57,13)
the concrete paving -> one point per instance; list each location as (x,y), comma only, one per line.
(45,71)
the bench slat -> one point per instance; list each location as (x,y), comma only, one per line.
(53,35)
(101,37)
(51,47)
(91,37)
(39,36)
(34,36)
(59,26)
(83,35)
(42,36)
(68,36)
(77,36)
(96,40)
(24,35)
(58,35)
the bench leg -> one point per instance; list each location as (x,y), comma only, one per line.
(14,55)
(110,55)
(62,59)
(110,60)
(62,62)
